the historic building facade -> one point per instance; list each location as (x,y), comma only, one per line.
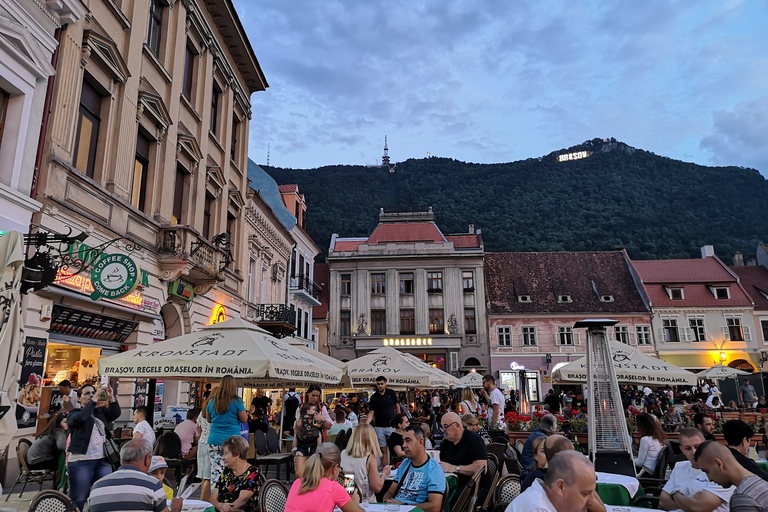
(535,298)
(410,286)
(146,154)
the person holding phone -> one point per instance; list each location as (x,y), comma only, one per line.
(362,457)
(88,427)
(317,488)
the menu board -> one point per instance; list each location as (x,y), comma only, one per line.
(30,383)
(90,325)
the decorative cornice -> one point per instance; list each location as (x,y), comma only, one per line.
(106,51)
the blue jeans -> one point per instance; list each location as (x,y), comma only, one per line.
(82,475)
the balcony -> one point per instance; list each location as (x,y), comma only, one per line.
(278,319)
(183,253)
(305,289)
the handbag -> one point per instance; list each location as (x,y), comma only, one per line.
(111,451)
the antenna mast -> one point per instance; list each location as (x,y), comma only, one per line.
(385,157)
(268,154)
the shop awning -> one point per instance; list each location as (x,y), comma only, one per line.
(235,347)
(632,366)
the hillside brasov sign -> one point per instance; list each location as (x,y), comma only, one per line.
(573,156)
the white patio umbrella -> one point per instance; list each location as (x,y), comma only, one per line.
(400,370)
(11,262)
(720,371)
(632,367)
(235,347)
(437,377)
(472,380)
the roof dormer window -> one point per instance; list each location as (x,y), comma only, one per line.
(720,292)
(606,298)
(675,293)
(564,298)
(524,298)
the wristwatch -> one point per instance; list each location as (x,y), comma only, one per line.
(458,469)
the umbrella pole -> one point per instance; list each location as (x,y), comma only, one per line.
(282,421)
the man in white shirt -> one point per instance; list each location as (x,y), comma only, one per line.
(568,487)
(647,391)
(688,488)
(143,430)
(69,400)
(495,401)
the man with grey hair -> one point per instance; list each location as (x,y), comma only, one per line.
(547,427)
(130,487)
(462,452)
(568,487)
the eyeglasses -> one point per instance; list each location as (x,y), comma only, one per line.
(446,427)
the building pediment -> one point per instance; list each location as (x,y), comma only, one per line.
(106,52)
(235,197)
(155,108)
(18,41)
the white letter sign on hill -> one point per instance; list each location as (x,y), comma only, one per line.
(572,156)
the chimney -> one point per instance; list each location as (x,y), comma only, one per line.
(738,260)
(707,251)
(472,229)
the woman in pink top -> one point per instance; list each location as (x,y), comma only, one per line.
(317,488)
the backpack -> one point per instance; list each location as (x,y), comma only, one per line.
(308,432)
(289,408)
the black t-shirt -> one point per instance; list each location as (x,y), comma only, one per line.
(395,439)
(261,402)
(383,407)
(469,449)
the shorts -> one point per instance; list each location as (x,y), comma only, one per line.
(382,434)
(217,465)
(305,450)
(203,462)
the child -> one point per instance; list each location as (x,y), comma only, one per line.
(157,469)
(308,435)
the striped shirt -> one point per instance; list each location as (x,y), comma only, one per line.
(126,489)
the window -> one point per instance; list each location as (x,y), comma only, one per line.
(208,207)
(697,328)
(643,334)
(764,325)
(504,335)
(4,99)
(434,281)
(564,298)
(215,97)
(178,195)
(565,335)
(407,325)
(298,322)
(306,325)
(233,146)
(524,298)
(621,333)
(676,293)
(529,335)
(735,329)
(721,292)
(140,172)
(345,327)
(470,326)
(468,280)
(378,282)
(406,283)
(189,73)
(606,298)
(232,231)
(436,321)
(669,330)
(87,129)
(252,269)
(378,322)
(154,31)
(346,284)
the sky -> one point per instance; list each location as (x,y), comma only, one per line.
(492,81)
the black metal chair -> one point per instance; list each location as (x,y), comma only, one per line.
(52,501)
(656,478)
(499,439)
(470,491)
(169,446)
(260,442)
(273,443)
(266,459)
(507,489)
(28,473)
(273,496)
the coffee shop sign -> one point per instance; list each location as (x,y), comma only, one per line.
(514,365)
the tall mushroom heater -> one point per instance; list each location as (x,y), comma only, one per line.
(610,446)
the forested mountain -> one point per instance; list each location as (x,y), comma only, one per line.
(654,206)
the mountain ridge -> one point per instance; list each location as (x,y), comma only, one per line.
(619,195)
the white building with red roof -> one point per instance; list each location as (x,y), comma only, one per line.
(700,313)
(410,286)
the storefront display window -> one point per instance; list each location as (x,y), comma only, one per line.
(510,380)
(78,364)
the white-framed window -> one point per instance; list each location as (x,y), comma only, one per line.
(720,292)
(529,335)
(564,297)
(565,335)
(676,293)
(698,332)
(504,335)
(735,330)
(524,298)
(669,330)
(606,298)
(621,333)
(764,328)
(643,333)
(252,273)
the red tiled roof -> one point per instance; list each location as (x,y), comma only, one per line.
(347,245)
(322,278)
(286,189)
(695,277)
(546,275)
(700,270)
(464,241)
(754,279)
(406,232)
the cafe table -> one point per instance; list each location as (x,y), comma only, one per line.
(616,508)
(195,506)
(618,490)
(451,480)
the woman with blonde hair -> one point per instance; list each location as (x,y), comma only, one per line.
(317,488)
(468,403)
(471,423)
(362,458)
(227,411)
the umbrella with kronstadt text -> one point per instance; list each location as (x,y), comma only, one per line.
(399,369)
(235,347)
(720,371)
(437,377)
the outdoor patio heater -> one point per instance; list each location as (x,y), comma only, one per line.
(610,446)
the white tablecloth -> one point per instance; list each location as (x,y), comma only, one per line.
(617,508)
(381,507)
(629,483)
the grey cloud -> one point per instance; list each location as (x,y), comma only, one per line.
(738,135)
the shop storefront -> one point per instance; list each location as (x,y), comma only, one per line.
(435,351)
(701,360)
(537,374)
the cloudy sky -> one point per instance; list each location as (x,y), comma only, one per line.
(501,80)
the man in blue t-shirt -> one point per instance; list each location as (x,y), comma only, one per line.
(419,481)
